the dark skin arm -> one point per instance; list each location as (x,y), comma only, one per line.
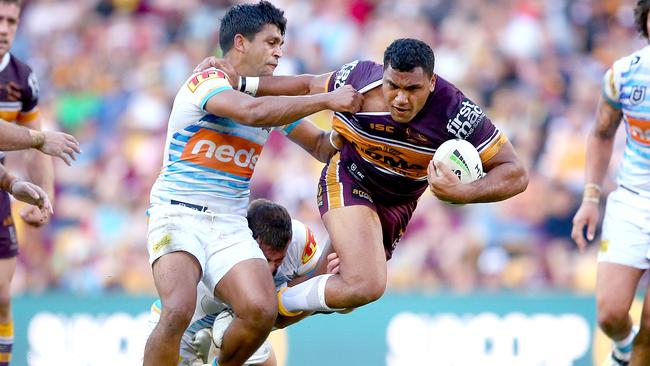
(281,110)
(272,85)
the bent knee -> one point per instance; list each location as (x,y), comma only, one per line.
(176,317)
(609,317)
(365,291)
(259,311)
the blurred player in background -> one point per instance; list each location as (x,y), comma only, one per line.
(293,255)
(19,104)
(369,191)
(625,245)
(58,144)
(197,225)
(25,191)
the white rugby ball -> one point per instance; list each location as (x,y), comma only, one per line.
(462,158)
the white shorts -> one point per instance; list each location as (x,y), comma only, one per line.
(626,230)
(217,241)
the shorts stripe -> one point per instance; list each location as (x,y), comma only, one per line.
(334,186)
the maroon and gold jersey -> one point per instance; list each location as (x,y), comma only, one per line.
(18,91)
(390,159)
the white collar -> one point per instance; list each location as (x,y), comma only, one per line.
(5,61)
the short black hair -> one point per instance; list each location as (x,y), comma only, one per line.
(270,224)
(248,20)
(641,17)
(405,54)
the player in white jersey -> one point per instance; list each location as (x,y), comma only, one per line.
(197,229)
(293,255)
(625,244)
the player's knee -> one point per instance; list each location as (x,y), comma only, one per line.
(611,317)
(260,312)
(366,291)
(176,317)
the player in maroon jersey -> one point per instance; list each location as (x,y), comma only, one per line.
(368,192)
(18,104)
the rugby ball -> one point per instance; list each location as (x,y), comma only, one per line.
(462,158)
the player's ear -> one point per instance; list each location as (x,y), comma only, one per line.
(239,43)
(433,83)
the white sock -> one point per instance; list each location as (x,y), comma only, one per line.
(307,296)
(624,346)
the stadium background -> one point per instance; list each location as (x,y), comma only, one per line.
(109,70)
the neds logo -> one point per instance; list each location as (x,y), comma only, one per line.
(230,154)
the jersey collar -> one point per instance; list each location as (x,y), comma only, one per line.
(5,61)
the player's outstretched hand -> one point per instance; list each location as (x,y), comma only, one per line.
(221,64)
(345,99)
(34,195)
(333,263)
(444,184)
(587,215)
(61,145)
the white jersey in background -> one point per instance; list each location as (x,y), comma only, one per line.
(208,160)
(625,87)
(303,255)
(626,225)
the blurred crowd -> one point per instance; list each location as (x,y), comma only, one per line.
(109,70)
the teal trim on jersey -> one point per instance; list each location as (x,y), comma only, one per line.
(290,127)
(212,94)
(637,148)
(209,170)
(200,176)
(614,104)
(229,127)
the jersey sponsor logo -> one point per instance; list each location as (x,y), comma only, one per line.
(310,247)
(356,192)
(382,127)
(638,94)
(466,119)
(344,72)
(394,160)
(415,137)
(199,79)
(639,130)
(225,153)
(162,243)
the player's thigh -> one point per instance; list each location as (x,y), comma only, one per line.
(615,288)
(176,275)
(248,287)
(356,236)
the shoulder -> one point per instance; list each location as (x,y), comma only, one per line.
(358,73)
(196,80)
(22,70)
(637,60)
(303,242)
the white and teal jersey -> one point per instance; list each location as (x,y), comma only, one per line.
(208,160)
(625,87)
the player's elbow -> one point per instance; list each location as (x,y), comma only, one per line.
(521,178)
(254,116)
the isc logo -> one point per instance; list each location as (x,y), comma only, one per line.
(229,154)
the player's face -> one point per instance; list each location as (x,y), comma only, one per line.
(9,15)
(264,51)
(405,92)
(274,257)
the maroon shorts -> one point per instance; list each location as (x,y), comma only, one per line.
(8,242)
(336,188)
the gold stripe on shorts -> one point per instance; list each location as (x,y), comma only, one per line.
(334,187)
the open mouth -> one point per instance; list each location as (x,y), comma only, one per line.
(400,110)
